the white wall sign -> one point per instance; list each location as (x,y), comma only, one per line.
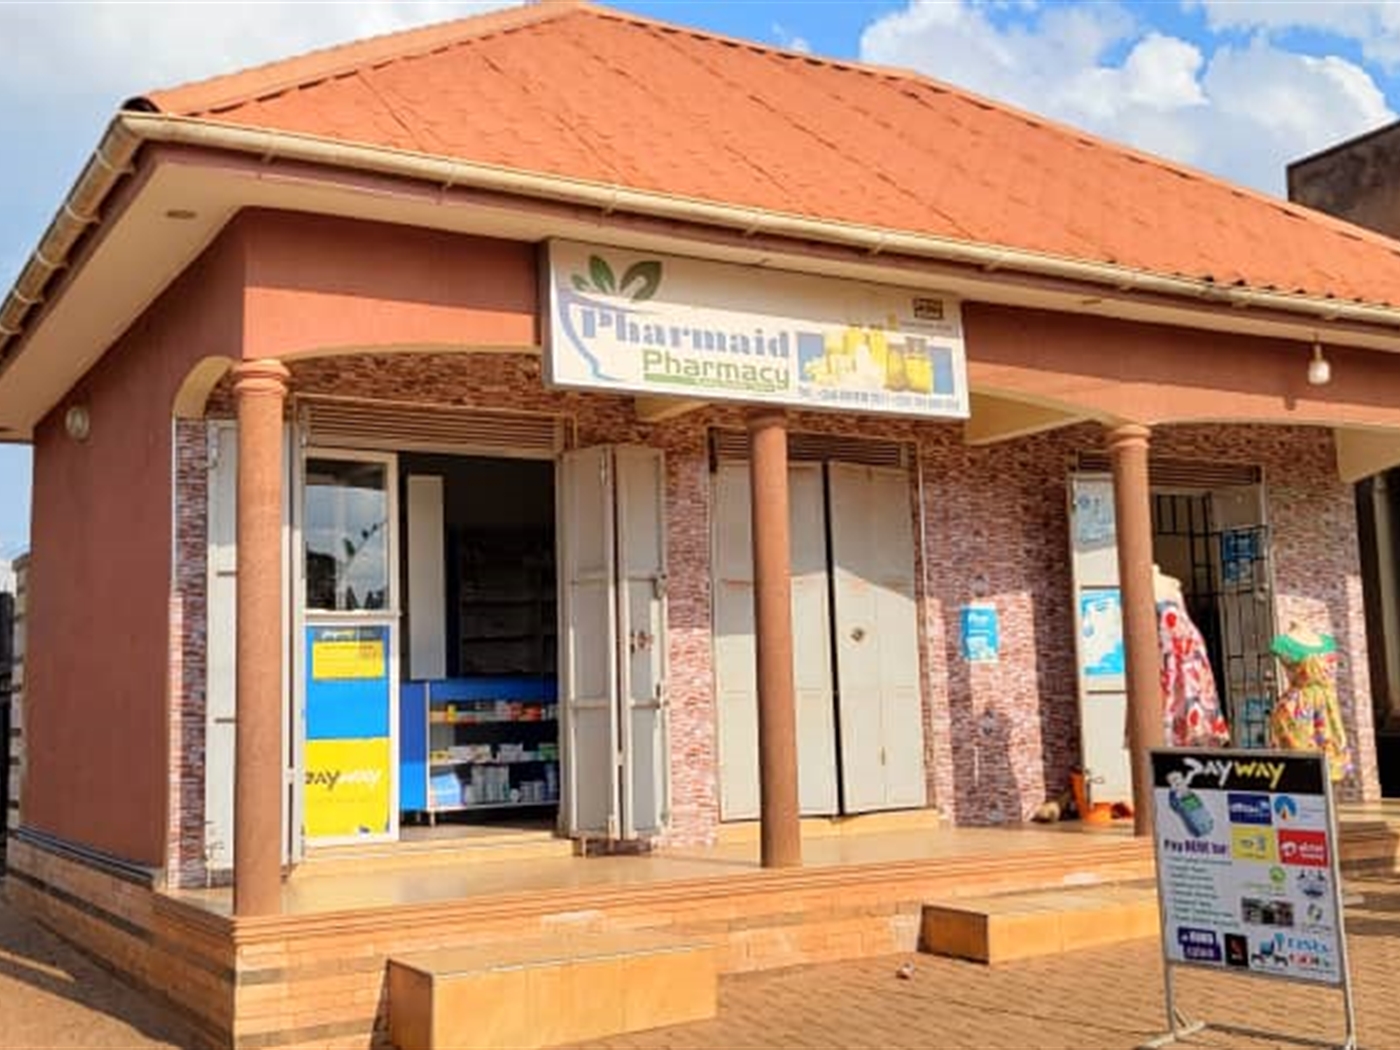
(666,325)
(1247,867)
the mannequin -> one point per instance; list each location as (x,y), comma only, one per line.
(1190,703)
(1307,716)
(1166,588)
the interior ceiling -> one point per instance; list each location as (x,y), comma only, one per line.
(141,250)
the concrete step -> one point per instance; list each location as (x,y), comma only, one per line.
(549,991)
(434,852)
(1047,922)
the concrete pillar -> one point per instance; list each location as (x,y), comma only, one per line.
(261,390)
(1132,504)
(780,829)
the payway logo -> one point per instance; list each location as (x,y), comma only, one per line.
(1223,769)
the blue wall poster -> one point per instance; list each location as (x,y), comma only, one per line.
(981,634)
(1101,633)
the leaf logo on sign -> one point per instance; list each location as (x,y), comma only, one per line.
(640,282)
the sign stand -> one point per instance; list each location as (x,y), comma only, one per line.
(1244,842)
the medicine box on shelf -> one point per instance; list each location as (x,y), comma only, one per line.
(478,743)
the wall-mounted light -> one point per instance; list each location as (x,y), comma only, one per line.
(77,422)
(1319,368)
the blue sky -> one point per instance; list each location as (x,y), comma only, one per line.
(1236,87)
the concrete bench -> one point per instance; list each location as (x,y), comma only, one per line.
(1022,925)
(548,991)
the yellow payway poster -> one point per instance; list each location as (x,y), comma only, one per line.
(347,788)
(347,659)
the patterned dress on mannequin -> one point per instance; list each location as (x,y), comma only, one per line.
(1190,703)
(1308,716)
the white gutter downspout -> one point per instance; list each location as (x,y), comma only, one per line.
(128,130)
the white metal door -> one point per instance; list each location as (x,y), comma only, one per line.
(876,629)
(641,579)
(736,673)
(313,615)
(1098,634)
(811,642)
(221,639)
(735,668)
(588,642)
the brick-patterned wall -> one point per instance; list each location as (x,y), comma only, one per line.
(14,746)
(999,737)
(185,848)
(1316,556)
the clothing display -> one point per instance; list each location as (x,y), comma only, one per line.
(1190,703)
(1308,716)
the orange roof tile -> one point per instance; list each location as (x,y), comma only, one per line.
(572,89)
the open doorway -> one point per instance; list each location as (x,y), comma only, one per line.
(1210,533)
(1216,544)
(479,708)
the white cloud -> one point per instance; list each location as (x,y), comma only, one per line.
(1373,24)
(1240,112)
(66,67)
(120,49)
(789,40)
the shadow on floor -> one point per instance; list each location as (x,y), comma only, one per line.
(54,994)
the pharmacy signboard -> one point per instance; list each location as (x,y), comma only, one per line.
(1247,868)
(661,325)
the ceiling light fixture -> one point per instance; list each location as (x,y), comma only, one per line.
(1319,368)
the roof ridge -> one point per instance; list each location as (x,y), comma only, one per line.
(229,90)
(1089,138)
(244,85)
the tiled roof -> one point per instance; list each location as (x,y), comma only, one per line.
(594,94)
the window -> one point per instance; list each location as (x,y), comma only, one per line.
(347,535)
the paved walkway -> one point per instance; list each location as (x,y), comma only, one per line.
(1109,998)
(53,996)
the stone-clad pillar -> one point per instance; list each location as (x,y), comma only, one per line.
(260,388)
(780,827)
(1132,503)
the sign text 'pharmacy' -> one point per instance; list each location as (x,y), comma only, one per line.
(666,325)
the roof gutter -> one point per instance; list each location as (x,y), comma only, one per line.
(128,130)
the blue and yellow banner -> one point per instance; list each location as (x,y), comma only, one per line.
(348,788)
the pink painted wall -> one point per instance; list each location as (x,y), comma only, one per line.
(99,583)
(113,706)
(317,282)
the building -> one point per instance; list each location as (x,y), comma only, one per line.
(513,415)
(1356,181)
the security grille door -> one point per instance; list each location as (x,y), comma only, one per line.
(1245,610)
(876,632)
(735,667)
(613,641)
(1098,629)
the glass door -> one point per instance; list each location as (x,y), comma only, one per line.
(349,656)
